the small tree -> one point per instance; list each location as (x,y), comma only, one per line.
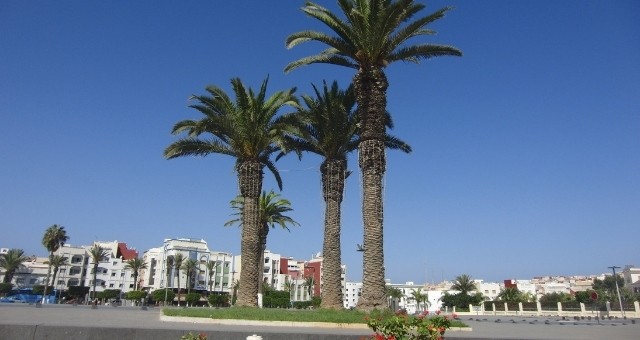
(160,294)
(193,298)
(135,295)
(5,288)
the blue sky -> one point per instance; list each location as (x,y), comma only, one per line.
(526,154)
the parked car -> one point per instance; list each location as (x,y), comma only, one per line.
(11,299)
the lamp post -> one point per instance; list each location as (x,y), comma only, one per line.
(617,288)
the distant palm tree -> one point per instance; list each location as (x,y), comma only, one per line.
(190,268)
(250,130)
(330,130)
(211,266)
(56,262)
(177,264)
(374,34)
(394,294)
(135,265)
(12,261)
(510,294)
(54,237)
(169,269)
(309,282)
(464,284)
(288,287)
(420,299)
(272,211)
(97,253)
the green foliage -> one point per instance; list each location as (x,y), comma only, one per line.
(192,298)
(77,292)
(219,300)
(135,295)
(556,297)
(511,294)
(159,295)
(402,326)
(276,299)
(461,300)
(272,314)
(108,294)
(5,288)
(39,289)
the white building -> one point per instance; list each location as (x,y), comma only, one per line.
(161,272)
(351,294)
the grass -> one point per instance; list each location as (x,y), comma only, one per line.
(271,314)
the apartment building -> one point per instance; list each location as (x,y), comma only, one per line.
(161,271)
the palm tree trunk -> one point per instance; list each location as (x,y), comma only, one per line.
(250,180)
(264,231)
(95,274)
(370,86)
(46,282)
(333,174)
(179,295)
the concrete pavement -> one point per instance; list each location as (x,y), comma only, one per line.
(21,321)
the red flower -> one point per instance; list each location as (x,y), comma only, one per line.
(438,312)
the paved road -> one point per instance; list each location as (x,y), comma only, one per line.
(139,322)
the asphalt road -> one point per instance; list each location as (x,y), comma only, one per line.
(483,327)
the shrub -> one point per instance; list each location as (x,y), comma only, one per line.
(135,295)
(402,326)
(5,288)
(160,294)
(192,298)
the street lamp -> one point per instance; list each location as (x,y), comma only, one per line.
(617,288)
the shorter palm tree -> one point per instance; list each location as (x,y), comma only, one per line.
(309,283)
(54,237)
(510,294)
(190,268)
(464,284)
(11,262)
(97,253)
(394,294)
(211,267)
(56,262)
(420,299)
(177,264)
(135,265)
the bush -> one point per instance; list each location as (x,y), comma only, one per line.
(275,299)
(108,294)
(192,298)
(219,300)
(159,295)
(135,295)
(77,292)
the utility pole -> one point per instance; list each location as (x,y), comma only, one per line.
(617,288)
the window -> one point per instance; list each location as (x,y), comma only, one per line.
(33,281)
(113,274)
(111,285)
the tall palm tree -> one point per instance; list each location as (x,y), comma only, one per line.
(12,261)
(97,253)
(169,269)
(177,264)
(374,34)
(330,130)
(464,284)
(211,266)
(250,130)
(135,265)
(190,268)
(272,211)
(54,237)
(56,262)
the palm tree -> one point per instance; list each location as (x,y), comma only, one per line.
(54,237)
(12,261)
(177,264)
(510,294)
(394,295)
(374,34)
(309,282)
(97,253)
(289,286)
(211,265)
(135,265)
(190,268)
(169,268)
(464,284)
(249,130)
(420,298)
(56,262)
(330,129)
(272,209)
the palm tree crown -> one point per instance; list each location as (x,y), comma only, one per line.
(56,262)
(135,265)
(190,268)
(464,284)
(12,261)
